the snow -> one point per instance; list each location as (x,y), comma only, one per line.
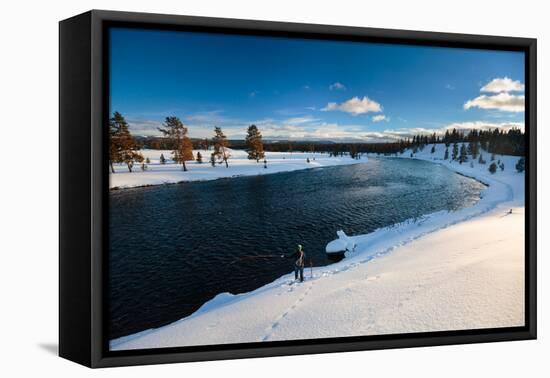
(443,271)
(342,244)
(239,165)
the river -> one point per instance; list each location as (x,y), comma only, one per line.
(174,247)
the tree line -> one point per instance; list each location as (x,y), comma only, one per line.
(511,142)
(495,141)
(470,151)
(125,148)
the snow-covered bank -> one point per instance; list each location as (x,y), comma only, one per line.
(239,165)
(446,271)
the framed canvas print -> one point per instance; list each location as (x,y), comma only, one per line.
(234,188)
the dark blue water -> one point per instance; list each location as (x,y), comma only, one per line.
(174,247)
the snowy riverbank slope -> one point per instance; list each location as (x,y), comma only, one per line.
(239,165)
(446,271)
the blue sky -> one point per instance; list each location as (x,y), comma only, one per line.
(309,89)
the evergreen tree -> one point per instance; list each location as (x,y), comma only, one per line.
(455,151)
(475,149)
(148,161)
(484,144)
(463,154)
(254,144)
(199,157)
(221,145)
(123,147)
(162,159)
(447,139)
(520,165)
(176,133)
(480,160)
(493,167)
(446,157)
(433,149)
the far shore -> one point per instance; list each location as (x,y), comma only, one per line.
(156,173)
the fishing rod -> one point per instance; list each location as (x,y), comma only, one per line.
(252,257)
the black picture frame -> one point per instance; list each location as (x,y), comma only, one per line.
(83,195)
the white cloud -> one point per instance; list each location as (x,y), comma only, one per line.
(503,84)
(355,106)
(380,117)
(337,87)
(307,128)
(502,101)
(144,127)
(301,120)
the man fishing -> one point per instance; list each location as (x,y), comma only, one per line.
(300,258)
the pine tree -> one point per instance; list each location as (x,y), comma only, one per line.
(254,144)
(446,157)
(221,145)
(114,144)
(123,147)
(162,159)
(484,145)
(480,160)
(520,165)
(455,151)
(447,139)
(199,157)
(493,167)
(176,133)
(475,149)
(463,154)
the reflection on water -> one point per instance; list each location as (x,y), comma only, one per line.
(174,247)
